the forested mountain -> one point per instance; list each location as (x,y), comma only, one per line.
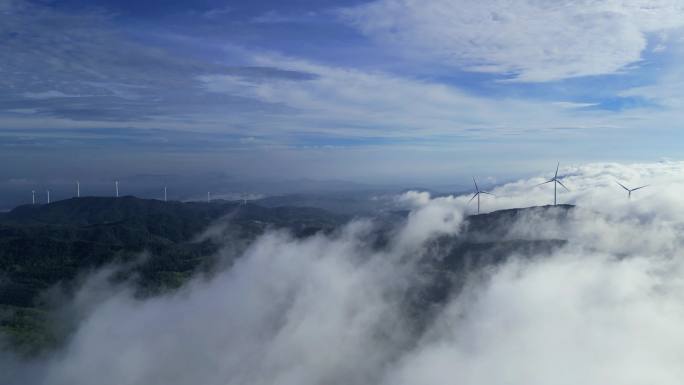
(157,246)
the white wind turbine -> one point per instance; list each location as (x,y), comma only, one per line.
(116,185)
(33,196)
(556,182)
(629,190)
(165,194)
(48,196)
(477,195)
(78,189)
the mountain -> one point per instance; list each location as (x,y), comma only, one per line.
(361,202)
(157,246)
(485,241)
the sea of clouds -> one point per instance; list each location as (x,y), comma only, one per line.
(606,308)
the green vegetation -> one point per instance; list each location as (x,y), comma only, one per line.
(156,245)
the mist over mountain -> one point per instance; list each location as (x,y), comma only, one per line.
(428,292)
(341,192)
(159,245)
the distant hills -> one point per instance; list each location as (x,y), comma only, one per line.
(180,187)
(46,245)
(363,202)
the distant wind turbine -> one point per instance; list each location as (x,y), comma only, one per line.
(48,196)
(164,193)
(556,182)
(629,190)
(208,196)
(116,185)
(477,195)
(33,196)
(78,189)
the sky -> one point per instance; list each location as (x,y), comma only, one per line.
(379,92)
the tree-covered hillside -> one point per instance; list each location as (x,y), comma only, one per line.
(157,245)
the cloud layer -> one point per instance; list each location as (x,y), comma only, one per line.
(83,80)
(605,308)
(354,103)
(527,40)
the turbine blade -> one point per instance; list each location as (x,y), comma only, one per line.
(561,183)
(471,199)
(548,181)
(488,193)
(556,174)
(476,188)
(634,189)
(621,185)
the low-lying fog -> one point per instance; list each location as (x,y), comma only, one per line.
(606,308)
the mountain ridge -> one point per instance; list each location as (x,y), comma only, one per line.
(52,244)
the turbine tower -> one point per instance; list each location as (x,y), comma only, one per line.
(33,196)
(164,193)
(629,190)
(556,182)
(48,196)
(477,195)
(116,185)
(208,197)
(78,189)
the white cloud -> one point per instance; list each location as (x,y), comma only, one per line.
(606,308)
(218,12)
(567,320)
(594,186)
(668,88)
(353,102)
(573,105)
(530,40)
(49,95)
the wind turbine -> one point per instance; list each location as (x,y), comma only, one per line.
(48,196)
(78,189)
(116,185)
(208,196)
(629,190)
(164,193)
(477,194)
(556,182)
(33,196)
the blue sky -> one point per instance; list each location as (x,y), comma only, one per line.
(384,91)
